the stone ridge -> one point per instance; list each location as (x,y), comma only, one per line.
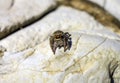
(94,55)
(22,13)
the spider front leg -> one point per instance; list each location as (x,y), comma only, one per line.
(65,44)
(54,47)
(53,44)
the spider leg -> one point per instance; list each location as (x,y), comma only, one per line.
(65,44)
(69,44)
(53,44)
(54,49)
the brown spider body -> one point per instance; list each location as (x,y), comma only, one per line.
(60,39)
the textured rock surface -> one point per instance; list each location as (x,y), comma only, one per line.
(16,13)
(112,6)
(96,11)
(5,4)
(62,19)
(93,48)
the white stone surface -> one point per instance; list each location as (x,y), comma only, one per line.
(85,62)
(16,13)
(5,4)
(93,47)
(112,6)
(64,19)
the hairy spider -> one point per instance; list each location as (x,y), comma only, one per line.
(60,39)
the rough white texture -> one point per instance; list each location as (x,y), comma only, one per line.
(93,47)
(16,13)
(112,6)
(64,19)
(5,4)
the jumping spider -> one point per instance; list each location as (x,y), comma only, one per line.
(60,39)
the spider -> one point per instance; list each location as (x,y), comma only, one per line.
(60,39)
